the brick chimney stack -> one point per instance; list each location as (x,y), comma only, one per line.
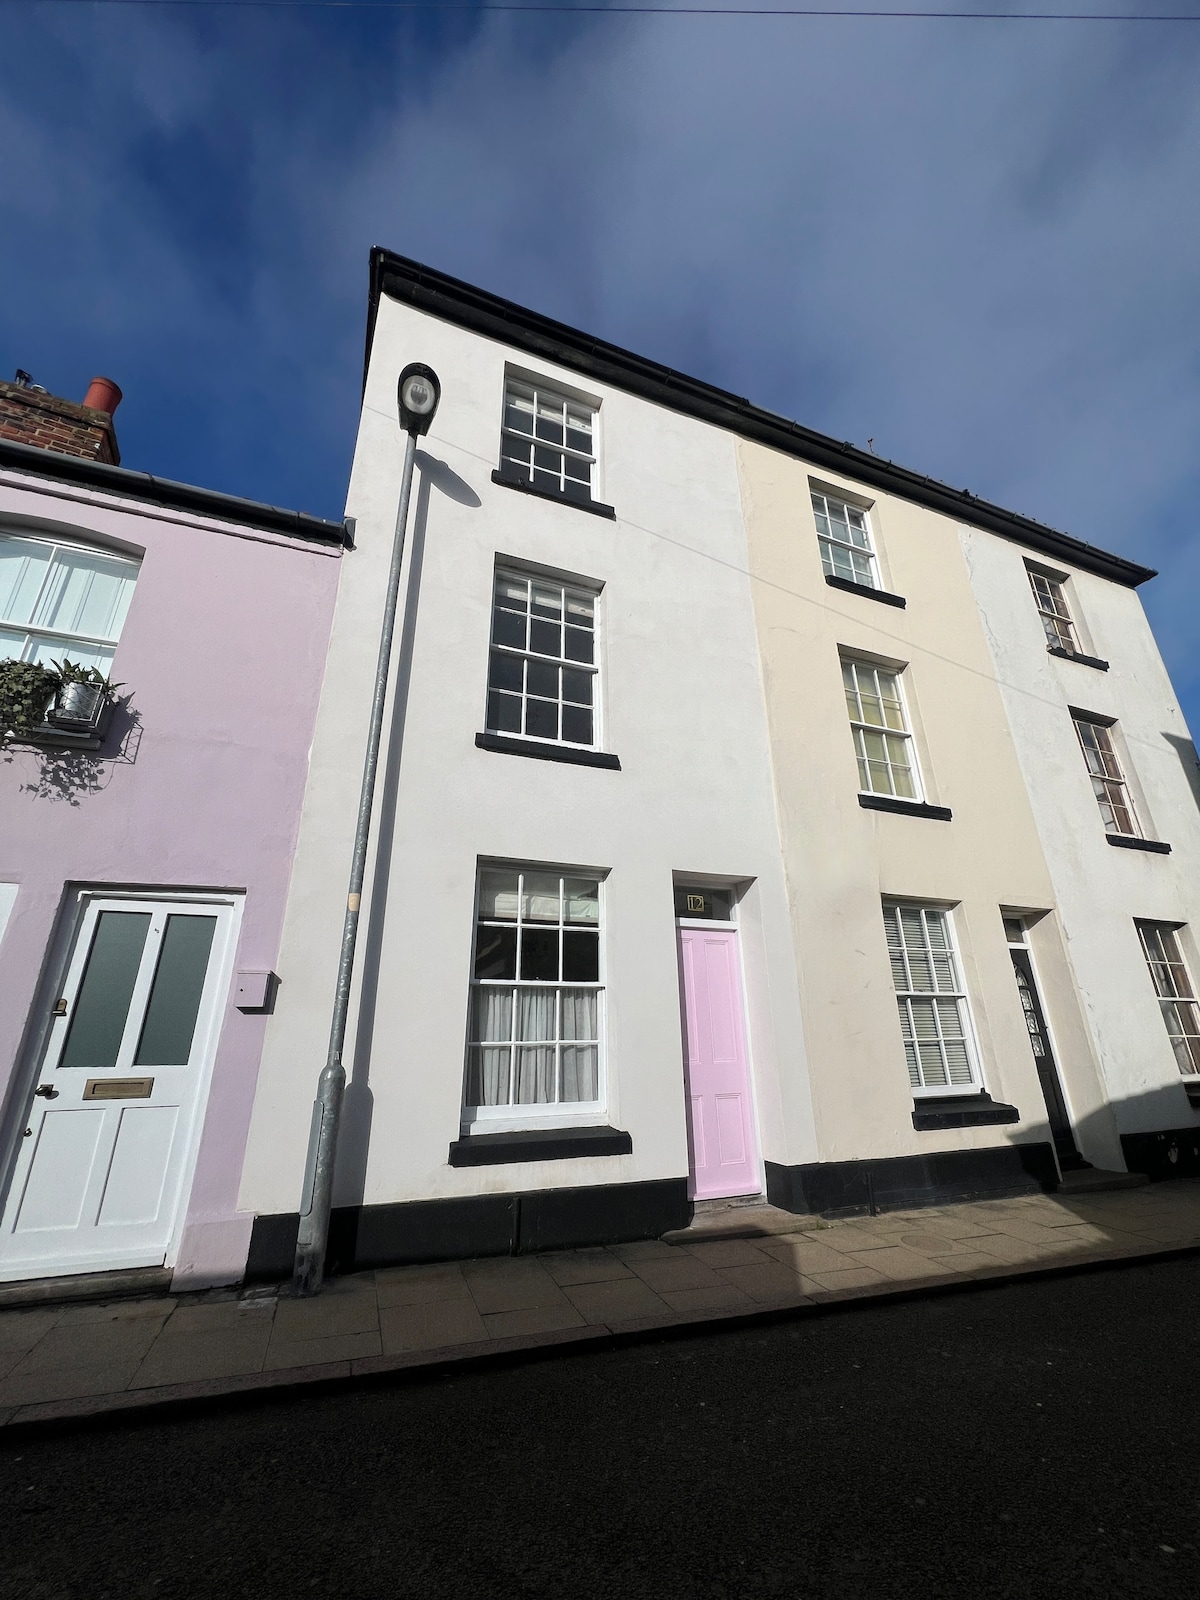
(29,415)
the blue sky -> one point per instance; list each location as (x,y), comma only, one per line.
(975,242)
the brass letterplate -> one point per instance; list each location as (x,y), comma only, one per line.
(118,1088)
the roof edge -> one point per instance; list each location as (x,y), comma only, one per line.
(482,312)
(169,494)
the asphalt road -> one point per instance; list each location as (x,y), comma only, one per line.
(1024,1440)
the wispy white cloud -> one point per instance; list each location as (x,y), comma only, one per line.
(974,242)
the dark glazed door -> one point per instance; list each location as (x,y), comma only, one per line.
(1039,1039)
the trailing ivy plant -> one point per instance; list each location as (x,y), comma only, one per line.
(25,691)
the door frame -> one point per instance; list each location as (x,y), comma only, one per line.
(77,900)
(747,1033)
(1026,949)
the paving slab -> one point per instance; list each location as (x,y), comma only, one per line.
(585,1266)
(770,1281)
(415,1286)
(220,1353)
(621,1299)
(318,1352)
(427,1327)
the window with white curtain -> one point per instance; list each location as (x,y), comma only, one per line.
(536,996)
(935,1022)
(62,600)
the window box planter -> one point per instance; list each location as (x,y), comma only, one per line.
(84,708)
(64,707)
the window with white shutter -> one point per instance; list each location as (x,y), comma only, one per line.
(935,1021)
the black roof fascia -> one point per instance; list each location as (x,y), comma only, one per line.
(165,492)
(496,318)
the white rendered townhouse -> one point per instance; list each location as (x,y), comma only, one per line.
(1112,777)
(577,800)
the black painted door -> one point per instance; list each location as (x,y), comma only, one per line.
(1039,1040)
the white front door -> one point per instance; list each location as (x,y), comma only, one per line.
(108,1139)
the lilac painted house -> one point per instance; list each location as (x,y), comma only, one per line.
(145,844)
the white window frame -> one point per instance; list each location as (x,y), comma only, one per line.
(569,590)
(1175,991)
(529,389)
(860,728)
(46,643)
(1060,627)
(957,995)
(1109,783)
(821,501)
(513,1116)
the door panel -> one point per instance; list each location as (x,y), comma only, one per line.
(98,1180)
(60,1171)
(140,1162)
(724,1151)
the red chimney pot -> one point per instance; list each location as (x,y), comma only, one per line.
(103,395)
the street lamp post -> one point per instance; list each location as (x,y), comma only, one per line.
(418,393)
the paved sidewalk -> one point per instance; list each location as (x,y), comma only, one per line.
(79,1360)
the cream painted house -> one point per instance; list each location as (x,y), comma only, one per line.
(946,857)
(731,837)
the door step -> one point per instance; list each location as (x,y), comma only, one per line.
(745,1217)
(85,1286)
(1094,1180)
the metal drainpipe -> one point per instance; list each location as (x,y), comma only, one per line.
(317,1201)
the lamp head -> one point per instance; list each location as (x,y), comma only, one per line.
(418,393)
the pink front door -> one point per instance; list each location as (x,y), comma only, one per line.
(724,1152)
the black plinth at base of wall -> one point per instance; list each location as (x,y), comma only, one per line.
(1169,1153)
(362,1237)
(895,1183)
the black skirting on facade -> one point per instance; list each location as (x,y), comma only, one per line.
(1169,1153)
(893,1183)
(362,1237)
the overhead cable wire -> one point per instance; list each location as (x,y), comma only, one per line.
(642,11)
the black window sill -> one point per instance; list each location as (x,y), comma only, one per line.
(48,737)
(572,754)
(904,808)
(961,1111)
(848,586)
(1074,655)
(596,507)
(538,1144)
(1126,841)
(1192,1090)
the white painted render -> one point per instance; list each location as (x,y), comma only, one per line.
(683,709)
(1099,890)
(841,859)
